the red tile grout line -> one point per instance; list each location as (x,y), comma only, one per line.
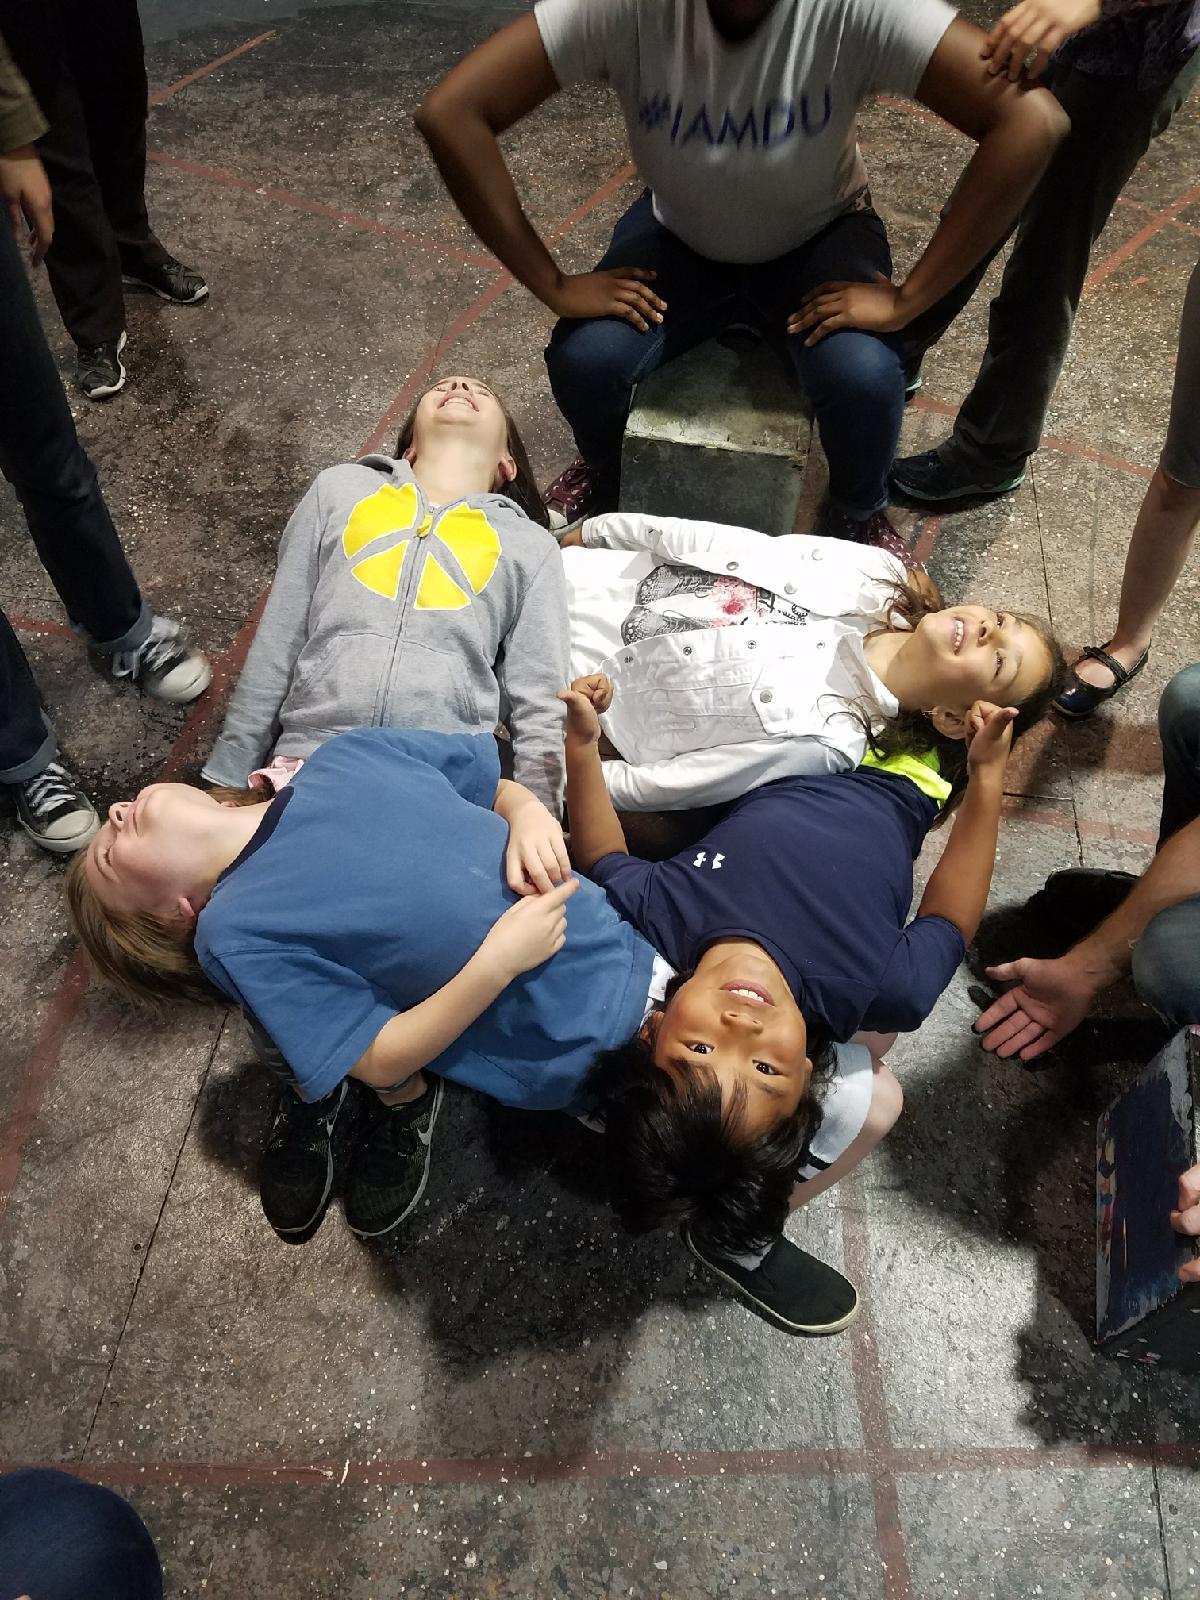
(59,630)
(1157,222)
(602,1465)
(319,208)
(1050,441)
(157,96)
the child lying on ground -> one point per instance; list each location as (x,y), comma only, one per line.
(738,658)
(415,592)
(788,926)
(370,949)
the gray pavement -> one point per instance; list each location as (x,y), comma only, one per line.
(513,1401)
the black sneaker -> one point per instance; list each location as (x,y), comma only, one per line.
(99,370)
(391,1168)
(935,477)
(789,1288)
(295,1176)
(165,665)
(55,812)
(169,280)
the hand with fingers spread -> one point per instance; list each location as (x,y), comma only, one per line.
(875,307)
(536,857)
(1034,28)
(25,190)
(1047,1001)
(611,292)
(586,700)
(989,737)
(530,932)
(1186,1218)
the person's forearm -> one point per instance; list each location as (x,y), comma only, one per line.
(468,157)
(1172,876)
(595,827)
(958,886)
(510,797)
(1002,174)
(418,1036)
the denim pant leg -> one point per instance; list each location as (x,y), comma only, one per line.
(1000,422)
(854,380)
(56,483)
(1166,971)
(1179,730)
(595,364)
(64,1539)
(27,745)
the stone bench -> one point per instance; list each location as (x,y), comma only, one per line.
(721,434)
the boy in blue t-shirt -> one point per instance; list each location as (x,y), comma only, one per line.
(788,924)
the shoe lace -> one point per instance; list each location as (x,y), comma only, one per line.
(48,789)
(158,654)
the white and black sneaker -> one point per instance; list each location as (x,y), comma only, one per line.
(169,280)
(55,812)
(100,372)
(165,666)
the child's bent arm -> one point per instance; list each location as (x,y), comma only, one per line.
(528,934)
(595,827)
(252,721)
(958,886)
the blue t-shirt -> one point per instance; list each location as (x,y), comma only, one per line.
(818,871)
(370,882)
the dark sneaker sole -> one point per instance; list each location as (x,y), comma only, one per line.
(379,1233)
(105,391)
(171,299)
(812,1330)
(305,1231)
(974,491)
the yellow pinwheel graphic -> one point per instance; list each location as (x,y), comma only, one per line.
(466,533)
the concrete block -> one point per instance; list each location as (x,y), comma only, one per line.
(720,434)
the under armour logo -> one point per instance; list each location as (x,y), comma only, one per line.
(718,860)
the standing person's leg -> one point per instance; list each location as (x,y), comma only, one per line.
(1162,535)
(595,365)
(82,264)
(999,424)
(1179,730)
(854,380)
(64,1539)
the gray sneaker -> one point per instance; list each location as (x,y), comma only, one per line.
(165,666)
(55,812)
(936,476)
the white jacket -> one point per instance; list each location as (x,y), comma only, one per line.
(702,716)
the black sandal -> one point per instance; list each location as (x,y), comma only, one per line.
(1083,698)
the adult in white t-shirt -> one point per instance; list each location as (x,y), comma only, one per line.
(741,117)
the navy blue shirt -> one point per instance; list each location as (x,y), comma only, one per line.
(369,883)
(818,871)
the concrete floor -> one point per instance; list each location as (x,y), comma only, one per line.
(512,1400)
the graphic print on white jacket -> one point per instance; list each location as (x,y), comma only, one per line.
(703,712)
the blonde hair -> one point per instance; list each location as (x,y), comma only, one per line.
(148,959)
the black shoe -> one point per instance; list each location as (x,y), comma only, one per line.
(99,371)
(295,1176)
(169,280)
(392,1165)
(1082,698)
(789,1288)
(55,812)
(935,477)
(1077,899)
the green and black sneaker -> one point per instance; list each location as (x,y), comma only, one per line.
(295,1176)
(391,1168)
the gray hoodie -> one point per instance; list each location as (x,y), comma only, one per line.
(387,611)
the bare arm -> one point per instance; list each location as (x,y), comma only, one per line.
(958,887)
(1017,129)
(595,827)
(461,119)
(526,935)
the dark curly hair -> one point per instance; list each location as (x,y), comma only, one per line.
(678,1156)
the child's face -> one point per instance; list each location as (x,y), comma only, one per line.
(737,1016)
(970,653)
(148,855)
(468,408)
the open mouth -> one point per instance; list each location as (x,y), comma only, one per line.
(752,993)
(464,399)
(960,633)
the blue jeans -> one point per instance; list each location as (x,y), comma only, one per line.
(64,1539)
(1166,966)
(854,381)
(56,483)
